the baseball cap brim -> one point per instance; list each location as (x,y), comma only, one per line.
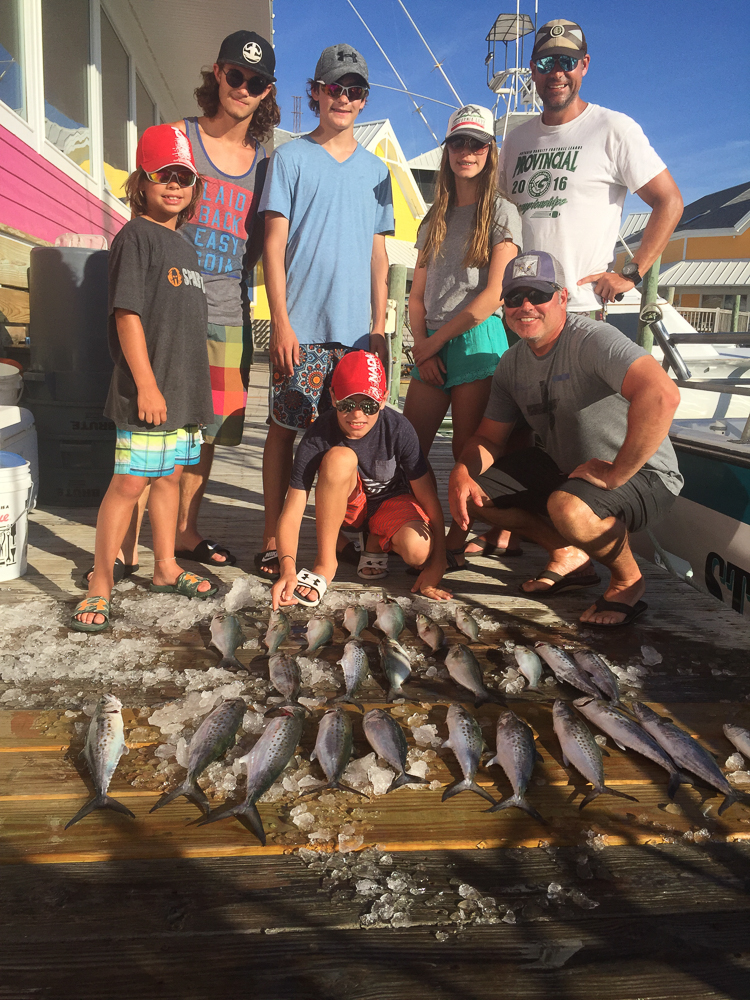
(536,283)
(244,65)
(558,51)
(472,133)
(165,166)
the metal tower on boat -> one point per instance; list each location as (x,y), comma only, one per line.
(515,92)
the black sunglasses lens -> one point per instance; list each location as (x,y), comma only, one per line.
(535,296)
(255,85)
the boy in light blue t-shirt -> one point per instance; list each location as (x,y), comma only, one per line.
(328,207)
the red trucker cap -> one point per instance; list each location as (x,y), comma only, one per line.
(359,372)
(164,146)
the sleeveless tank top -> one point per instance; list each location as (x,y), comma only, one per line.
(220,228)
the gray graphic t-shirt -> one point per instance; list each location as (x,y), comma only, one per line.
(571,397)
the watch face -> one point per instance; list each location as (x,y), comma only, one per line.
(629,270)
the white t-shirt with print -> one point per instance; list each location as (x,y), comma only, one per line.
(569,183)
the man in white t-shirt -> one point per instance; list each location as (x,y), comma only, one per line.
(568,171)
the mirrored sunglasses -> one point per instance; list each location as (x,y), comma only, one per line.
(368,406)
(547,63)
(535,296)
(460,142)
(335,90)
(185,178)
(236,79)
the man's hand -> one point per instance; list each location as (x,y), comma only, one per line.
(283,348)
(599,473)
(608,284)
(152,406)
(378,346)
(431,371)
(461,489)
(426,348)
(282,592)
(427,583)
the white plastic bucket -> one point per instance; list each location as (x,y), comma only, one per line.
(11,385)
(18,434)
(15,496)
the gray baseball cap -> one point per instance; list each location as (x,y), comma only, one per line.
(338,60)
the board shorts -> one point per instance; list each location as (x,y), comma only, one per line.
(230,354)
(155,453)
(391,515)
(472,356)
(526,479)
(295,401)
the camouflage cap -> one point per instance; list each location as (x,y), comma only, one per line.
(559,38)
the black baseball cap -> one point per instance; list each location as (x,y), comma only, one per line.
(251,50)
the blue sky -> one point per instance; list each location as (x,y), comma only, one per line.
(666,63)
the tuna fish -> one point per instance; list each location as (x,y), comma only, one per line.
(213,737)
(687,753)
(105,744)
(566,669)
(395,662)
(319,632)
(279,630)
(466,624)
(226,636)
(430,632)
(581,750)
(356,669)
(739,737)
(387,739)
(529,664)
(355,620)
(265,762)
(283,671)
(599,672)
(465,670)
(629,735)
(516,754)
(466,741)
(390,618)
(333,749)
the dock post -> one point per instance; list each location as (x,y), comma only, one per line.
(736,314)
(649,294)
(397,292)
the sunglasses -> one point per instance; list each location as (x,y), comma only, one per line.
(185,178)
(254,85)
(465,142)
(335,90)
(547,63)
(513,300)
(368,406)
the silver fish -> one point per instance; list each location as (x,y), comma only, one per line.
(464,668)
(265,762)
(105,744)
(599,672)
(333,749)
(387,739)
(279,630)
(466,741)
(687,753)
(629,735)
(319,632)
(213,737)
(430,632)
(356,669)
(466,624)
(226,636)
(566,669)
(355,620)
(529,664)
(516,754)
(738,737)
(581,750)
(390,618)
(395,662)
(283,671)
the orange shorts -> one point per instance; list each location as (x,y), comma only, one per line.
(389,518)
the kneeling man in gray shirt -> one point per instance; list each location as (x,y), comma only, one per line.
(600,408)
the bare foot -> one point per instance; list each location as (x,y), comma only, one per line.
(562,561)
(620,592)
(167,572)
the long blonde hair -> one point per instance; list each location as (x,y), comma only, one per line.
(478,248)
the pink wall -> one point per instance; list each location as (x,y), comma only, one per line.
(39,199)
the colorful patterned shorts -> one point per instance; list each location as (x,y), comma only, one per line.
(156,453)
(295,401)
(230,354)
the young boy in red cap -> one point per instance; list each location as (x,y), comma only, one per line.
(160,391)
(371,472)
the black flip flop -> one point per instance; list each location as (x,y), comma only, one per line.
(204,550)
(570,581)
(631,612)
(490,551)
(265,559)
(120,571)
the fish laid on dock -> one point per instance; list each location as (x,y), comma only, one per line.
(319,632)
(390,618)
(356,669)
(529,664)
(387,739)
(105,744)
(355,620)
(213,737)
(284,673)
(466,741)
(396,666)
(581,751)
(466,624)
(226,636)
(566,669)
(599,672)
(333,750)
(464,668)
(430,632)
(279,630)
(739,738)
(516,754)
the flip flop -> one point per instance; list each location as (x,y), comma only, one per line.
(315,582)
(91,605)
(120,571)
(186,584)
(204,550)
(490,551)
(265,559)
(631,612)
(570,581)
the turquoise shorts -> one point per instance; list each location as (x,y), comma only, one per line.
(155,453)
(472,356)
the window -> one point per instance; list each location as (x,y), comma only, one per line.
(145,110)
(12,83)
(115,109)
(712,301)
(65,45)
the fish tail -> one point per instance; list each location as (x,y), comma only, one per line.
(346,788)
(467,785)
(229,663)
(593,794)
(734,796)
(482,699)
(246,810)
(99,802)
(612,791)
(406,779)
(350,700)
(519,802)
(167,797)
(676,779)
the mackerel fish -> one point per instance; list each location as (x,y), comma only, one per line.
(566,669)
(430,632)
(466,624)
(396,666)
(355,620)
(464,668)
(279,630)
(333,750)
(390,618)
(738,737)
(356,669)
(387,739)
(599,672)
(581,750)
(105,744)
(226,636)
(466,741)
(529,664)
(213,737)
(319,632)
(516,754)
(283,671)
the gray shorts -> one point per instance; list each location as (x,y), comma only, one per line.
(526,479)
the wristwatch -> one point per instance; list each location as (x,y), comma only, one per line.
(631,272)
